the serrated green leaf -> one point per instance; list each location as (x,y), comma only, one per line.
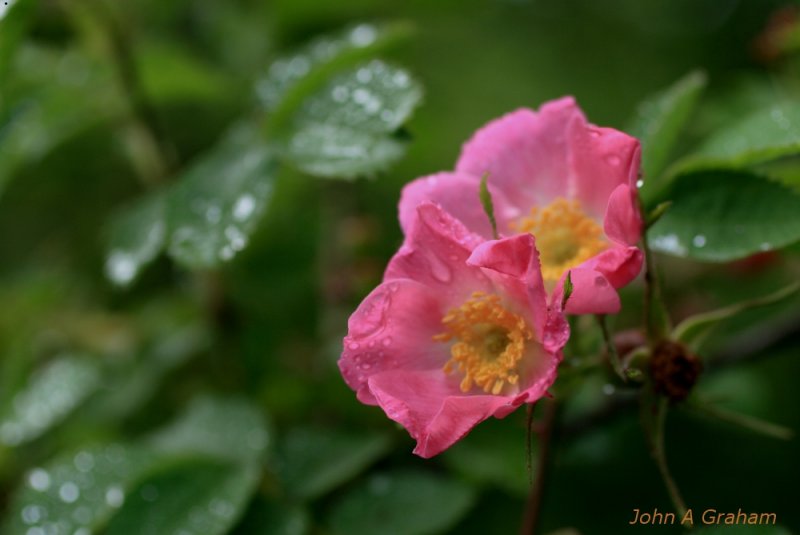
(344,130)
(77,492)
(218,203)
(50,395)
(724,215)
(763,135)
(292,78)
(136,237)
(694,329)
(200,496)
(314,461)
(402,503)
(226,429)
(658,123)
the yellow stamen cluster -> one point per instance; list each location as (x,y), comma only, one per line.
(490,341)
(565,236)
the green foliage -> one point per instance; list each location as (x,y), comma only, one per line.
(345,130)
(49,397)
(726,215)
(231,430)
(292,78)
(658,123)
(314,461)
(137,236)
(78,490)
(132,129)
(765,134)
(216,205)
(401,503)
(192,497)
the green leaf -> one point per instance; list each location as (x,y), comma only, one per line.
(274,518)
(77,492)
(48,398)
(658,123)
(136,237)
(192,497)
(314,461)
(493,453)
(54,108)
(766,134)
(726,215)
(217,204)
(344,130)
(14,22)
(227,429)
(694,329)
(402,503)
(292,78)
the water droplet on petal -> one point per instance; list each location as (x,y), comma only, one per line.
(614,160)
(439,269)
(353,346)
(387,341)
(600,281)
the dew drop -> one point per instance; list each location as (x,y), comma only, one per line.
(84,461)
(32,514)
(115,497)
(387,341)
(353,346)
(600,281)
(699,241)
(363,35)
(340,93)
(69,492)
(613,160)
(639,183)
(39,480)
(608,389)
(244,207)
(765,246)
(439,269)
(213,214)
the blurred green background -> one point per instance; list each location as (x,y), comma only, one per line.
(231,370)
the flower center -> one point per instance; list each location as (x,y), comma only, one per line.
(489,342)
(565,236)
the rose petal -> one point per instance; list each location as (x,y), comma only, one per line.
(513,264)
(458,195)
(527,154)
(591,293)
(622,223)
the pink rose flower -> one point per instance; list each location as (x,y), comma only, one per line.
(569,183)
(458,331)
